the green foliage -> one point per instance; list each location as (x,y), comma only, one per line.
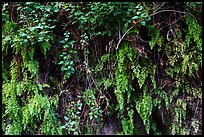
(75,112)
(66,62)
(141,14)
(154,128)
(73,117)
(194,32)
(25,107)
(140,73)
(12,108)
(192,5)
(144,107)
(121,75)
(128,124)
(179,113)
(161,96)
(100,66)
(167,78)
(127,63)
(36,108)
(95,112)
(156,38)
(33,111)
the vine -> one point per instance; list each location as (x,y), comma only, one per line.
(81,67)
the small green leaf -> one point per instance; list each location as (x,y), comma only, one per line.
(62,41)
(143,15)
(137,6)
(71,62)
(61,62)
(148,18)
(98,33)
(138,12)
(140,8)
(51,27)
(65,57)
(72,123)
(66,46)
(135,17)
(71,42)
(69,67)
(64,69)
(158,49)
(68,73)
(63,127)
(143,23)
(66,118)
(46,85)
(40,87)
(25,40)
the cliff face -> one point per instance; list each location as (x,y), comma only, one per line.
(110,128)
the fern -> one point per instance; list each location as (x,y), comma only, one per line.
(194,31)
(37,106)
(179,116)
(157,38)
(12,108)
(144,107)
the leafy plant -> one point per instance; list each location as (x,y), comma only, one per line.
(48,47)
(67,63)
(73,118)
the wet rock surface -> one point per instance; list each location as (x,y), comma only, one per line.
(111,127)
(108,129)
